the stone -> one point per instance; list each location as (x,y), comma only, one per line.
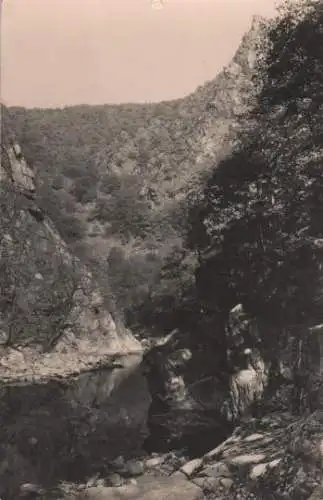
(208,484)
(134,468)
(253,437)
(201,482)
(153,462)
(101,482)
(132,480)
(93,481)
(126,492)
(162,488)
(226,482)
(258,470)
(115,480)
(176,490)
(218,469)
(179,474)
(247,459)
(191,467)
(274,463)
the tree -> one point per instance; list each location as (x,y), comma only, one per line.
(257,229)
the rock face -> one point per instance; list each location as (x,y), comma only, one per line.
(230,96)
(64,389)
(188,398)
(194,400)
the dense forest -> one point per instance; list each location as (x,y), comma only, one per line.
(116,179)
(169,236)
(260,221)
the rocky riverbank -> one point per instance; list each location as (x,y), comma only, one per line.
(276,457)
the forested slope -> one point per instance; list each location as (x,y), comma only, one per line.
(116,179)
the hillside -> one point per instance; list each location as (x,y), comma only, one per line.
(258,230)
(115,179)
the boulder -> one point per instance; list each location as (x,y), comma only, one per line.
(276,453)
(191,467)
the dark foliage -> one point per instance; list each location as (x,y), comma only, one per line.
(258,229)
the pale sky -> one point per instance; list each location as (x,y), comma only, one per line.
(65,52)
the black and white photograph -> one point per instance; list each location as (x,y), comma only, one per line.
(161,250)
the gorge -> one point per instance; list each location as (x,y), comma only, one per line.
(161,286)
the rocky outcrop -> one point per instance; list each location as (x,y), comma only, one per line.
(230,96)
(277,455)
(196,397)
(188,397)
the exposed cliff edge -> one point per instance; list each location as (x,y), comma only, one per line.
(225,101)
(54,320)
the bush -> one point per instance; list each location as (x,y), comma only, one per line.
(84,189)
